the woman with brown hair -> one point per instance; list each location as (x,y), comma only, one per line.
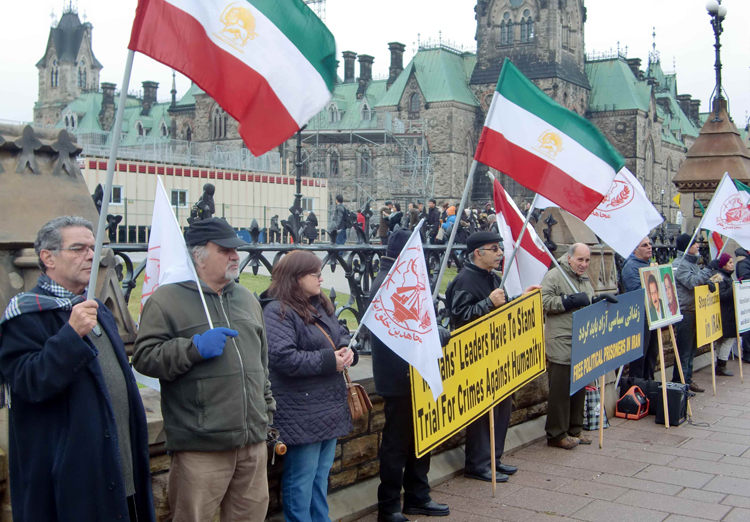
(307,351)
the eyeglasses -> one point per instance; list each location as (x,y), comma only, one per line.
(494,249)
(77,250)
(318,275)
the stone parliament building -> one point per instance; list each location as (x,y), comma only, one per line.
(413,134)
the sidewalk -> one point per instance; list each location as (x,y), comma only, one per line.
(644,473)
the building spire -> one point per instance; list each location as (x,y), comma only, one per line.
(174,89)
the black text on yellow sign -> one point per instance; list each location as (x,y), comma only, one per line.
(484,362)
(707,315)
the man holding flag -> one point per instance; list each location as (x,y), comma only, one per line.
(473,293)
(217,403)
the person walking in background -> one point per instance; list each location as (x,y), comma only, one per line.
(395,219)
(722,277)
(413,215)
(385,222)
(311,227)
(307,351)
(274,231)
(338,225)
(361,224)
(433,220)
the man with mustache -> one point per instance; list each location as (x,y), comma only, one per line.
(215,393)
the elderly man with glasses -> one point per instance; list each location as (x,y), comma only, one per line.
(78,433)
(476,292)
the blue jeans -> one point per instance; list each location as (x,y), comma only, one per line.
(304,484)
(341,237)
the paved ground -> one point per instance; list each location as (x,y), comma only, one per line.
(644,473)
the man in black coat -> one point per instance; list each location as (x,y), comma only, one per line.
(78,433)
(398,465)
(742,270)
(433,220)
(473,293)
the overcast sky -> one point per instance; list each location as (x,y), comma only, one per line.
(683,34)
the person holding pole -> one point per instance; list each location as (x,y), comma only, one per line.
(742,271)
(475,292)
(78,433)
(564,411)
(399,468)
(722,276)
(215,393)
(645,366)
(688,275)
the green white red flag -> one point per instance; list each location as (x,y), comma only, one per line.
(271,64)
(728,213)
(545,147)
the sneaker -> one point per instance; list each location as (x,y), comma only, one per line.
(584,439)
(694,387)
(566,443)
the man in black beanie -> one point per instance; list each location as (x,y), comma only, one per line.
(688,275)
(473,293)
(398,465)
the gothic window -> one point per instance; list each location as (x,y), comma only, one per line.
(524,39)
(219,122)
(55,75)
(139,128)
(527,27)
(506,30)
(67,122)
(82,74)
(164,131)
(334,165)
(365,166)
(366,112)
(414,103)
(189,134)
(649,169)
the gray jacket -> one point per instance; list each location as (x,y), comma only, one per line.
(687,277)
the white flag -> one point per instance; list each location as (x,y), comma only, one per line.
(728,212)
(403,317)
(532,262)
(168,260)
(624,217)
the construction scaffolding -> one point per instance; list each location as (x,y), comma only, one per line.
(318,7)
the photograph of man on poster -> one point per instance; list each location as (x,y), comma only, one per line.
(653,295)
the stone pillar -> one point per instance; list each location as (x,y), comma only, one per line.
(397,61)
(149,96)
(349,58)
(107,112)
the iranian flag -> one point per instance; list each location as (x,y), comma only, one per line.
(545,147)
(729,213)
(531,262)
(271,64)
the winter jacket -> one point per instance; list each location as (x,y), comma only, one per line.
(558,327)
(448,222)
(413,218)
(631,275)
(310,393)
(338,222)
(395,220)
(743,269)
(726,299)
(311,230)
(687,277)
(433,221)
(63,454)
(467,296)
(215,404)
(385,221)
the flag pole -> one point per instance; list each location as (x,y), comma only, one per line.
(91,294)
(726,242)
(509,264)
(459,214)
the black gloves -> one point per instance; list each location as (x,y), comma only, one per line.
(605,297)
(573,301)
(711,286)
(445,335)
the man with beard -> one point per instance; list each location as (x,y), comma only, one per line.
(217,404)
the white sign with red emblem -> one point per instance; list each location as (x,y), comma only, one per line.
(402,315)
(728,212)
(624,217)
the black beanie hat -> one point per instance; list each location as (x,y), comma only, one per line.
(683,242)
(397,241)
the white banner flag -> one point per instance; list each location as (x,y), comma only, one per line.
(625,215)
(728,212)
(403,317)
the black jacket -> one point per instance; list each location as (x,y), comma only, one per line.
(726,300)
(311,231)
(64,458)
(310,394)
(467,296)
(743,270)
(394,220)
(433,221)
(390,372)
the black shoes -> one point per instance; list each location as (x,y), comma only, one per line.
(430,509)
(486,476)
(505,469)
(391,517)
(695,388)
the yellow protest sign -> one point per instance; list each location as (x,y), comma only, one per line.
(484,362)
(707,315)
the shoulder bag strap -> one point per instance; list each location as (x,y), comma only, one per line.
(346,371)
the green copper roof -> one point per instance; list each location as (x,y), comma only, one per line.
(189,97)
(614,87)
(442,75)
(678,120)
(350,108)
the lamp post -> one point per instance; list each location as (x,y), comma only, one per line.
(717,12)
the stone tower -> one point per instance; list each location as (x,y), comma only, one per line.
(544,39)
(67,69)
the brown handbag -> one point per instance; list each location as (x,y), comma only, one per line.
(356,396)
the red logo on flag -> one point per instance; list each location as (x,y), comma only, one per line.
(733,213)
(620,195)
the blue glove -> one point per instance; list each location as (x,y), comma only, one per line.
(211,343)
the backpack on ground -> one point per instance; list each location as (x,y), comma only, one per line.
(633,405)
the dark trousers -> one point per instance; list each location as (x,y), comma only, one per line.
(132,509)
(478,449)
(745,353)
(399,467)
(645,367)
(564,411)
(686,346)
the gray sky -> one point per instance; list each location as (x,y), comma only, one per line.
(683,32)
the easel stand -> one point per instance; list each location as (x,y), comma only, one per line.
(602,412)
(664,374)
(713,368)
(739,356)
(493,456)
(677,362)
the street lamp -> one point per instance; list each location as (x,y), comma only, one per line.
(717,12)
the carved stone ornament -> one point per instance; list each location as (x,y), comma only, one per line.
(66,151)
(28,143)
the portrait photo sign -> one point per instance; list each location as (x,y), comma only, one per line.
(484,362)
(606,336)
(662,307)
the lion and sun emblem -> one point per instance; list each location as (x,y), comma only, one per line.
(239,26)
